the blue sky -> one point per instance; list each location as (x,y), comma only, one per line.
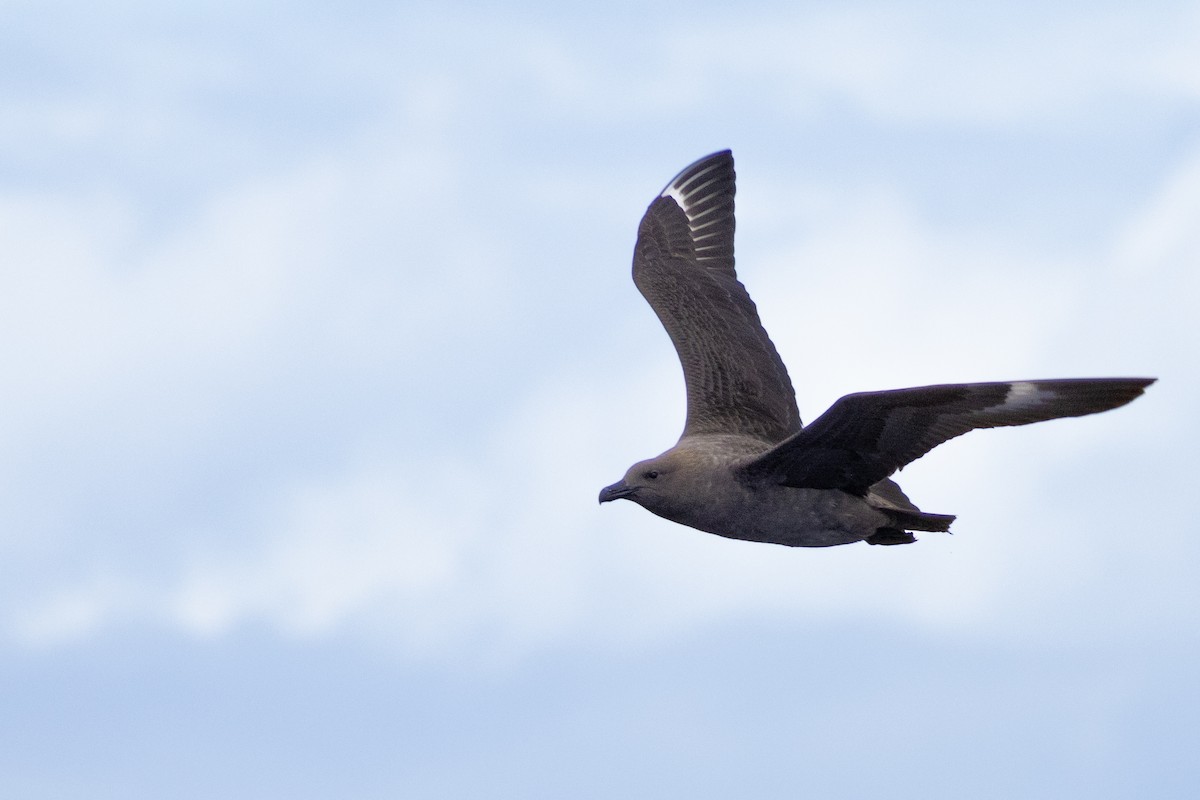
(320,342)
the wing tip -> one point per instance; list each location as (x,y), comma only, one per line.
(704,190)
(1085,395)
(685,184)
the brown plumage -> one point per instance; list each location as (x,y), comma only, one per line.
(744,467)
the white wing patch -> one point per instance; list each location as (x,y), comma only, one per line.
(689,199)
(675,195)
(1023,394)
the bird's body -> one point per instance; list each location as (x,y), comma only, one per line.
(745,467)
(710,466)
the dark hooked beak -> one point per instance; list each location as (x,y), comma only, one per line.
(615,492)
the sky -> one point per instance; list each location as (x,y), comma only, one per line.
(320,341)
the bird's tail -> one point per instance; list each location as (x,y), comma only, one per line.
(920,521)
(902,513)
(904,522)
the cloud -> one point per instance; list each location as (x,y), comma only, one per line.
(369,391)
(1162,235)
(1014,67)
(497,544)
(327,555)
(161,381)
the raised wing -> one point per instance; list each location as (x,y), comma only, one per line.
(864,438)
(683,266)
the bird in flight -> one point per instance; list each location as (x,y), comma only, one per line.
(745,467)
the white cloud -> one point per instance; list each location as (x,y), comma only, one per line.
(378,260)
(509,550)
(1164,234)
(335,552)
(78,611)
(1003,66)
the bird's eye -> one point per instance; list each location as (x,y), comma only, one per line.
(652,474)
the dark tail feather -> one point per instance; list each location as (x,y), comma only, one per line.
(906,521)
(920,521)
(889,498)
